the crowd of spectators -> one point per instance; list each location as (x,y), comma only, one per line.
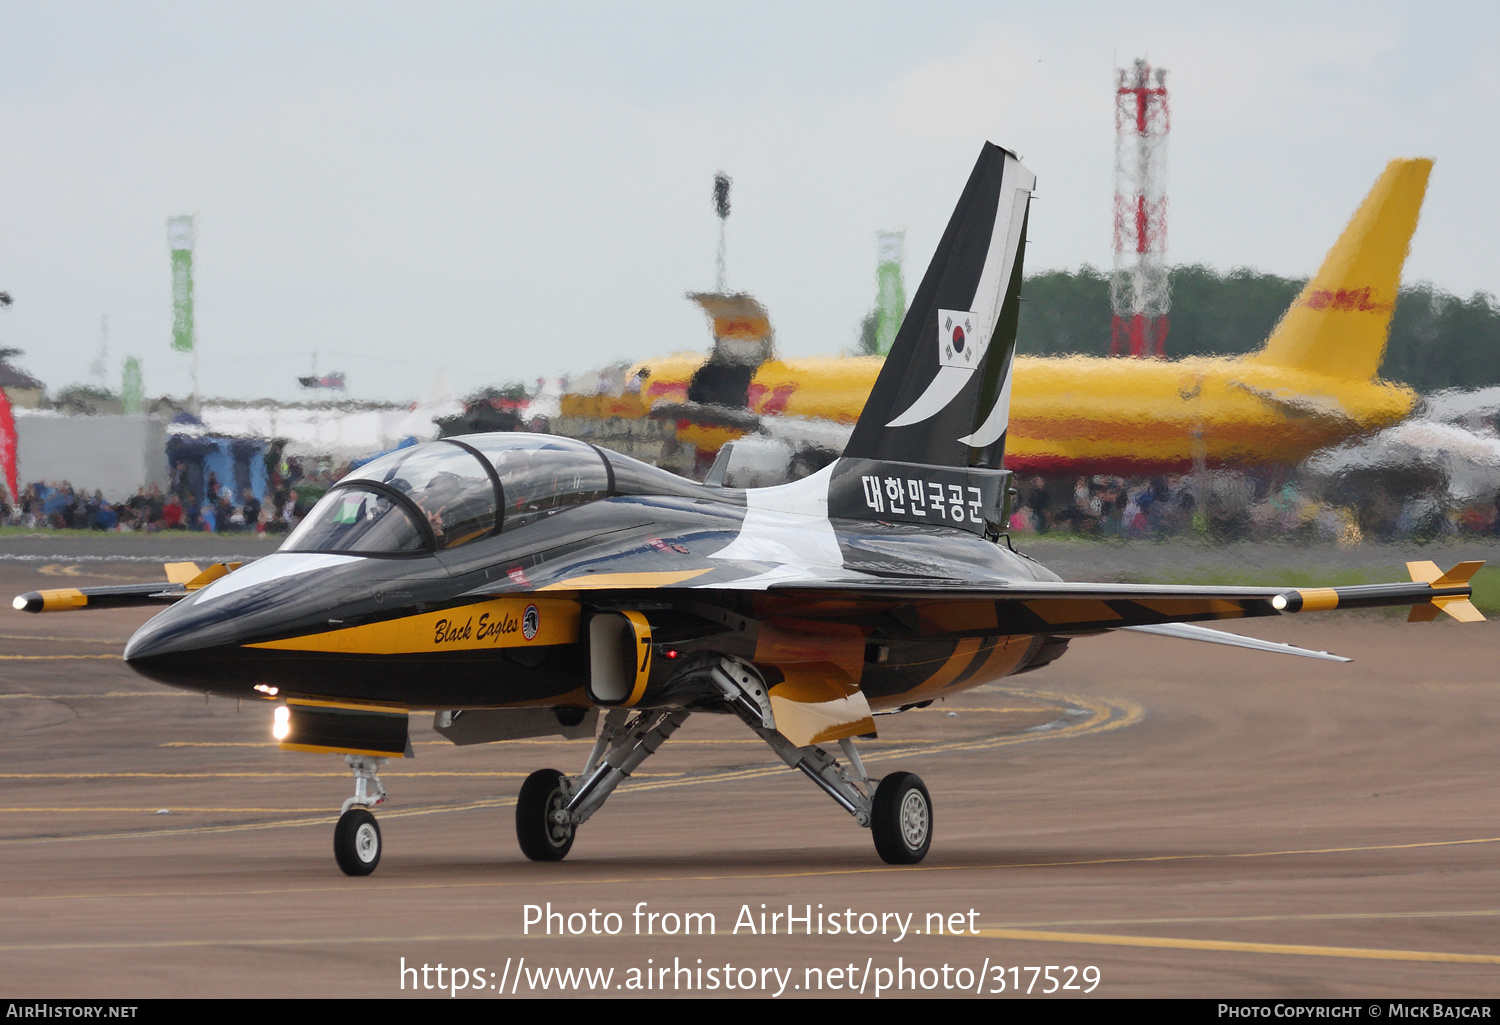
(292,489)
(1229,506)
(1222,505)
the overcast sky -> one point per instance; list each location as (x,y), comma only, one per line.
(501,192)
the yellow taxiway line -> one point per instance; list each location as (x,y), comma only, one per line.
(1234,946)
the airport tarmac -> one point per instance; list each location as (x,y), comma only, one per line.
(1159,817)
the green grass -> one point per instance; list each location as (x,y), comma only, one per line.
(1487,591)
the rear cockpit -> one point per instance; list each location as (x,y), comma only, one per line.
(439,495)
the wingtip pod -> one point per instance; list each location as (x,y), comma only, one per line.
(62,599)
(182,578)
(1430,592)
(1339,323)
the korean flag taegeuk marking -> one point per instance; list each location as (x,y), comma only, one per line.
(956,339)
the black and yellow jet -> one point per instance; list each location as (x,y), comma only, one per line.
(518,585)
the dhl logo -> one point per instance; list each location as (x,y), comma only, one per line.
(750,328)
(770,400)
(1349,299)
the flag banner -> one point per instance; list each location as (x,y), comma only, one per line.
(8,448)
(132,386)
(890,293)
(181,233)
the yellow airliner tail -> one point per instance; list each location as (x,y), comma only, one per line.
(1339,324)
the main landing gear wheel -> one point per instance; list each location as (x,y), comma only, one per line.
(542,838)
(356,842)
(901,819)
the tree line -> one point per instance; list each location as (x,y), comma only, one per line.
(1438,340)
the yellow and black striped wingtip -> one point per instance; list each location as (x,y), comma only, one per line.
(116,596)
(1430,592)
(59,600)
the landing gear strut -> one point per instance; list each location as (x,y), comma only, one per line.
(356,838)
(897,809)
(552,806)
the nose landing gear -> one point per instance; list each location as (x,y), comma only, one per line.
(356,842)
(356,838)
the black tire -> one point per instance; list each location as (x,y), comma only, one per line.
(356,842)
(540,838)
(901,819)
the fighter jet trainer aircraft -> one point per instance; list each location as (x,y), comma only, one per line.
(519,584)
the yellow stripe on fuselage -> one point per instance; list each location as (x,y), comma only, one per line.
(498,623)
(602,581)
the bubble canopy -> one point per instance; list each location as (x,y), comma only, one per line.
(447,493)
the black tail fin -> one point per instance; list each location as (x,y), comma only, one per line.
(930,443)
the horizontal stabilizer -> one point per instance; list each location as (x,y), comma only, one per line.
(1189,632)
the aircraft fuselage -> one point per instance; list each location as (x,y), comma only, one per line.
(1081,414)
(434,631)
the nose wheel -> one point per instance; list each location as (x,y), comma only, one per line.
(356,839)
(356,842)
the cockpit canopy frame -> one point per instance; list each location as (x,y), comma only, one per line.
(439,495)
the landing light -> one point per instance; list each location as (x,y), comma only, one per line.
(18,603)
(281,727)
(1279,602)
(266,690)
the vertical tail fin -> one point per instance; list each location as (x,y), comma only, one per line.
(1339,324)
(932,435)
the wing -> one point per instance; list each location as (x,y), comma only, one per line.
(1079,608)
(183,578)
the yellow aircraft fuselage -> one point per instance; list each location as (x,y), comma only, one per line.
(1314,383)
(1087,414)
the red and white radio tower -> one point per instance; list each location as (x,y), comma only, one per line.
(1139,293)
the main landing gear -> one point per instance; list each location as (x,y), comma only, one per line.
(356,839)
(551,806)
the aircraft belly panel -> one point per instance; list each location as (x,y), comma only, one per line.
(918,671)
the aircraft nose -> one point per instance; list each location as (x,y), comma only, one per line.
(167,648)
